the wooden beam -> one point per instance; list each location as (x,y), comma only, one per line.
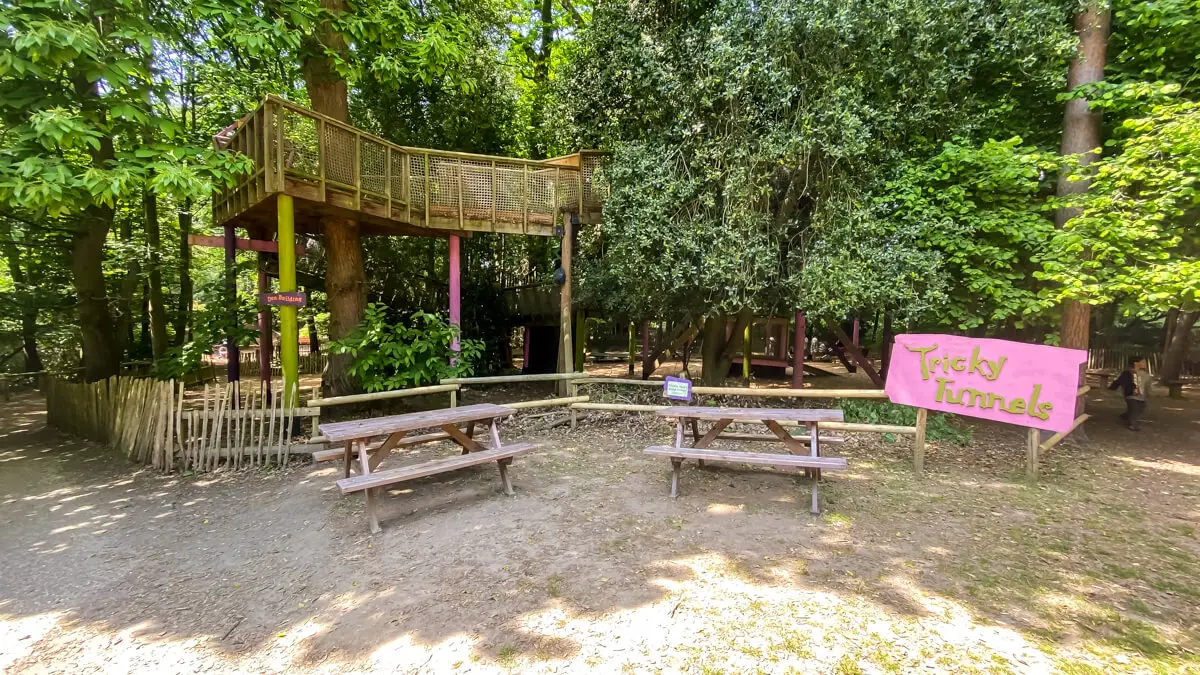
(856,354)
(259,245)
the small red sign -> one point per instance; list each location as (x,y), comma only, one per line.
(283,299)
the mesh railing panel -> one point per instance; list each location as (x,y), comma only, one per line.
(510,192)
(301,152)
(477,188)
(373,167)
(418,183)
(339,154)
(443,184)
(398,161)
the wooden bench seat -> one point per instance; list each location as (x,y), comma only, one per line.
(502,456)
(677,455)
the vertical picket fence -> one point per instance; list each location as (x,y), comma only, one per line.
(165,426)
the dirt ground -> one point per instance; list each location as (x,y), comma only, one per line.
(591,567)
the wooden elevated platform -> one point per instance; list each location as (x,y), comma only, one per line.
(335,170)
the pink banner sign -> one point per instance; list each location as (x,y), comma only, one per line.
(1023,384)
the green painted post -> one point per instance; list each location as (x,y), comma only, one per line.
(289,326)
(580,340)
(632,357)
(746,353)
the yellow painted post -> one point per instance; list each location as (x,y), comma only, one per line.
(289,327)
(746,353)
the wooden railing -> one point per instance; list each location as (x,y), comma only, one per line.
(344,169)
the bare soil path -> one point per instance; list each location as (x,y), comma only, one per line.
(106,567)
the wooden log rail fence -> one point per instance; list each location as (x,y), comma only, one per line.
(917,431)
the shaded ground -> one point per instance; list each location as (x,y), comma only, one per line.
(592,568)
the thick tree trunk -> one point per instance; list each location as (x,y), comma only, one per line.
(183,311)
(344,281)
(314,345)
(158,310)
(716,352)
(1082,137)
(29,312)
(1177,349)
(101,351)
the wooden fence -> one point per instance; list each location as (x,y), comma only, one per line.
(163,425)
(1116,359)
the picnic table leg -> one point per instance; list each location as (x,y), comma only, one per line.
(695,430)
(814,442)
(675,464)
(349,456)
(470,434)
(495,428)
(503,464)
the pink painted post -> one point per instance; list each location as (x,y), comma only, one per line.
(455,289)
(525,350)
(798,349)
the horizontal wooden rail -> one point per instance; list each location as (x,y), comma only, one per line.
(547,403)
(619,380)
(790,393)
(255,413)
(382,395)
(501,379)
(617,407)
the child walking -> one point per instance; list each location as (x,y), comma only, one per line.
(1134,382)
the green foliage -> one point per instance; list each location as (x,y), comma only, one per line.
(938,426)
(984,211)
(1138,219)
(751,140)
(394,355)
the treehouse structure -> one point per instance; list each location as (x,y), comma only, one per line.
(309,167)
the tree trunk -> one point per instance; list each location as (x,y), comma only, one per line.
(1082,136)
(314,346)
(29,312)
(1168,329)
(716,353)
(101,352)
(344,280)
(1177,349)
(183,311)
(158,310)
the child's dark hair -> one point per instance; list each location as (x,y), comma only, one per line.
(1134,359)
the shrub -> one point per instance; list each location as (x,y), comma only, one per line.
(409,353)
(938,426)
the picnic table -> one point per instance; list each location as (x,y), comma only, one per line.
(799,454)
(355,435)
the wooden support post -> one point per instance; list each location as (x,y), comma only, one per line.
(746,351)
(289,326)
(919,442)
(675,466)
(1031,454)
(316,416)
(885,346)
(565,302)
(572,392)
(580,340)
(798,341)
(645,348)
(233,364)
(455,292)
(856,354)
(525,336)
(632,358)
(503,464)
(266,335)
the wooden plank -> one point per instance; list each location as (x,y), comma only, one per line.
(618,407)
(432,467)
(464,441)
(379,426)
(774,439)
(1054,440)
(793,445)
(1031,454)
(501,379)
(382,395)
(548,402)
(620,380)
(260,245)
(754,414)
(756,458)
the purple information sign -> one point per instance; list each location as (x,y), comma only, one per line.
(677,389)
